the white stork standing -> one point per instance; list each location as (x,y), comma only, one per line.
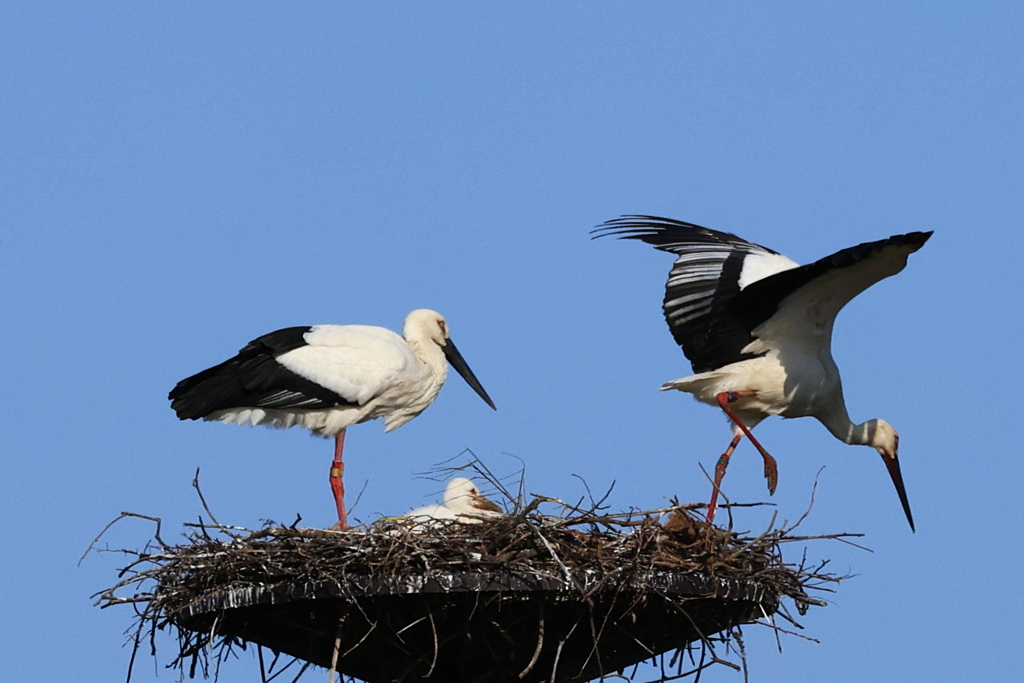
(757,328)
(463,502)
(328,377)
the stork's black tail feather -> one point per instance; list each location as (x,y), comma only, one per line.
(252,379)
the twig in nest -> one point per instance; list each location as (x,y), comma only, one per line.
(202,499)
(156,534)
(433,631)
(596,504)
(540,645)
(810,503)
(558,651)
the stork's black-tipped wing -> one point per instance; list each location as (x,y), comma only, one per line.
(253,379)
(722,287)
(815,293)
(705,278)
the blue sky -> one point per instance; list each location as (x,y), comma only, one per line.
(180,178)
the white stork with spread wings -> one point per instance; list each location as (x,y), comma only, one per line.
(757,328)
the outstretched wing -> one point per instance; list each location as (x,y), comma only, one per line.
(810,297)
(722,289)
(710,271)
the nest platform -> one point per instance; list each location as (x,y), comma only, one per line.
(476,626)
(526,597)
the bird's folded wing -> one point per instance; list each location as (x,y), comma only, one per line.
(253,378)
(357,362)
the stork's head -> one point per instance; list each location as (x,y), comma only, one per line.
(425,325)
(462,497)
(886,441)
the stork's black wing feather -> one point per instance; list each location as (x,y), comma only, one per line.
(711,317)
(253,379)
(704,279)
(760,300)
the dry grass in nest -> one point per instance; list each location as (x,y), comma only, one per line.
(544,555)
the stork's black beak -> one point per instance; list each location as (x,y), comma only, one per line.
(892,463)
(456,360)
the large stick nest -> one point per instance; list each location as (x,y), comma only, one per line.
(529,596)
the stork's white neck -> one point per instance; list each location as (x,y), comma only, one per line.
(864,434)
(859,434)
(431,355)
(423,332)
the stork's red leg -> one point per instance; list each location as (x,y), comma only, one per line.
(723,462)
(771,470)
(338,469)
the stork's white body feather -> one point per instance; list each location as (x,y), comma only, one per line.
(462,502)
(794,374)
(383,374)
(431,512)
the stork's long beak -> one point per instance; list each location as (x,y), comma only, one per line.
(456,360)
(892,463)
(483,503)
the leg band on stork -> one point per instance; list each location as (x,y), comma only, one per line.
(771,472)
(337,470)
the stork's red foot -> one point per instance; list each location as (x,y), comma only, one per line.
(771,469)
(771,473)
